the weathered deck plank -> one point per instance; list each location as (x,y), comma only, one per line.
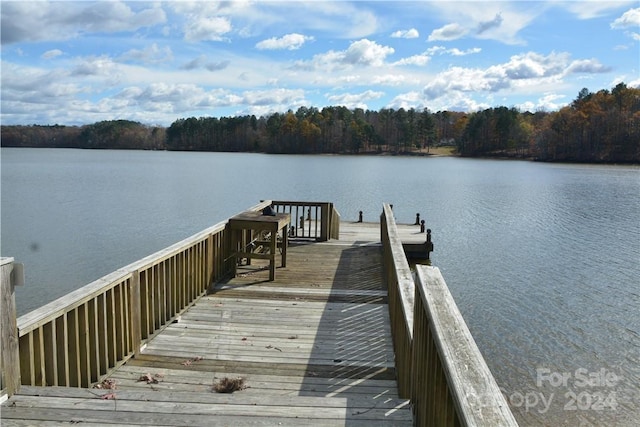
(313,347)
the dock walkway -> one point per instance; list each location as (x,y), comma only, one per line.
(313,347)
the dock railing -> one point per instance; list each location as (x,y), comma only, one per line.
(76,339)
(313,220)
(439,366)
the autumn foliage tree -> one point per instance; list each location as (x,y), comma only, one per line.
(596,127)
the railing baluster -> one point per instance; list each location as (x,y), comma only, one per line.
(51,355)
(110,320)
(103,340)
(74,349)
(127,316)
(63,354)
(94,342)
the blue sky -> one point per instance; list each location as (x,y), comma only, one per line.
(79,62)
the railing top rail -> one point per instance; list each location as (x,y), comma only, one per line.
(34,319)
(403,271)
(298,203)
(476,394)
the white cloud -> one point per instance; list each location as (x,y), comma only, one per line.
(363,52)
(50,54)
(457,101)
(460,79)
(457,52)
(530,70)
(447,33)
(290,41)
(589,66)
(207,29)
(202,62)
(406,34)
(389,80)
(531,65)
(366,52)
(591,9)
(631,18)
(407,100)
(278,96)
(548,102)
(102,66)
(501,21)
(34,21)
(358,100)
(485,26)
(149,55)
(420,60)
(423,58)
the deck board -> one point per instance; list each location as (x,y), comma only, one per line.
(313,347)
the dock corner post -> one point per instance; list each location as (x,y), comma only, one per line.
(417,219)
(134,310)
(12,276)
(360,216)
(325,223)
(429,243)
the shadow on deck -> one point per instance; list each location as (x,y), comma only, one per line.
(322,325)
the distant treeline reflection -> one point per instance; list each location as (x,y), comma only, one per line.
(596,127)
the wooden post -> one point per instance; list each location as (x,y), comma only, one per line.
(429,244)
(134,312)
(360,216)
(325,222)
(11,276)
(417,219)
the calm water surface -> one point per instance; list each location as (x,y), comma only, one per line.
(543,260)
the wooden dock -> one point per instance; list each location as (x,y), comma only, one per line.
(346,335)
(313,347)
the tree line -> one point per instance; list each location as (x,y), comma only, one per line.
(596,127)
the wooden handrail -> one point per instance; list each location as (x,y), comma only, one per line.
(438,364)
(445,351)
(78,338)
(401,295)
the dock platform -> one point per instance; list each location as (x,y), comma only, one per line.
(313,347)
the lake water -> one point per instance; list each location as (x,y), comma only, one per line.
(543,260)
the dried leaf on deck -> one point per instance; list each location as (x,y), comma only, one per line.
(229,385)
(106,384)
(193,359)
(108,396)
(148,378)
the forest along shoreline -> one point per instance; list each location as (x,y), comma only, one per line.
(600,127)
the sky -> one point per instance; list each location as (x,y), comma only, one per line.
(80,62)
